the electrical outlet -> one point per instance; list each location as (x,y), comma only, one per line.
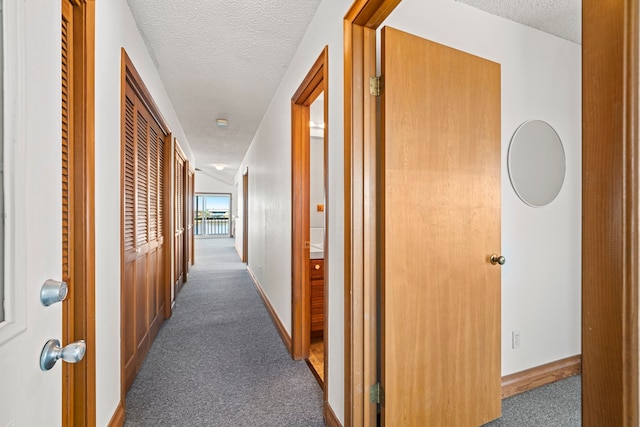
(515,339)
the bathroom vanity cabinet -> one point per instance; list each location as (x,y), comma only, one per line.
(317,296)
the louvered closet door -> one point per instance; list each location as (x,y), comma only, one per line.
(143,238)
(180,215)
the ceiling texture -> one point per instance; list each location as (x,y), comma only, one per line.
(221,59)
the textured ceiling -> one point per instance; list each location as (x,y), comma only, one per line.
(222,59)
(558,17)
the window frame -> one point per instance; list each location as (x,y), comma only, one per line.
(14,186)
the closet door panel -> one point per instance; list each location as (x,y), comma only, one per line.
(143,218)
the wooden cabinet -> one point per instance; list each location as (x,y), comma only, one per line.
(317,296)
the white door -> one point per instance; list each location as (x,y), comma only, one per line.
(32,232)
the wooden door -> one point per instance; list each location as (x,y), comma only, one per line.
(78,228)
(180,163)
(441,295)
(143,245)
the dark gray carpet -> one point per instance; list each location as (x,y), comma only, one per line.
(219,360)
(552,405)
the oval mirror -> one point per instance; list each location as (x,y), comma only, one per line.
(536,163)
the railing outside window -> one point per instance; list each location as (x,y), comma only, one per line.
(212,215)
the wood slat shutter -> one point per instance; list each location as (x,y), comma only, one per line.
(161,189)
(142,180)
(153,183)
(179,194)
(129,174)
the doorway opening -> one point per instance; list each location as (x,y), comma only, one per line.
(212,215)
(309,226)
(245,216)
(317,235)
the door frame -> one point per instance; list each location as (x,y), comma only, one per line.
(609,30)
(245,216)
(610,213)
(78,311)
(191,183)
(361,163)
(179,280)
(315,82)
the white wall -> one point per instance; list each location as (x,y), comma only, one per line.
(316,181)
(115,28)
(541,79)
(209,184)
(269,163)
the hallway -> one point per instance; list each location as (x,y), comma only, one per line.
(219,360)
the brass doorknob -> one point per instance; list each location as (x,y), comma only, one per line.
(495,259)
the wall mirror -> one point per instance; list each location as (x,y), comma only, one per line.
(536,162)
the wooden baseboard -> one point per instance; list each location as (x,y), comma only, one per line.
(529,379)
(330,418)
(286,339)
(117,420)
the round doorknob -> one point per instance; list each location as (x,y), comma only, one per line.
(495,259)
(317,266)
(71,353)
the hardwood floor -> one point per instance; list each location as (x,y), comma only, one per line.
(316,358)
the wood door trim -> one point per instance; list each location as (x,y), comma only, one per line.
(610,213)
(330,417)
(245,216)
(117,419)
(78,311)
(361,206)
(137,84)
(300,288)
(190,216)
(315,82)
(538,376)
(188,221)
(168,226)
(179,280)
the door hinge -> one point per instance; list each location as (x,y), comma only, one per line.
(376,394)
(375,85)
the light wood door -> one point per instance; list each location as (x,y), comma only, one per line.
(441,295)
